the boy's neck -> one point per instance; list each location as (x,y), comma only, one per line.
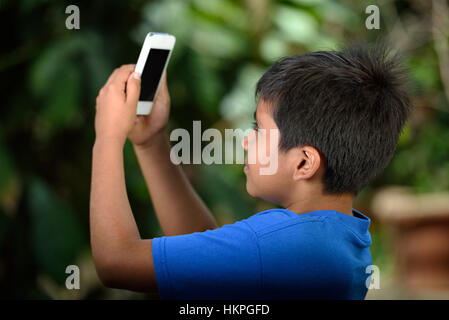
(341,203)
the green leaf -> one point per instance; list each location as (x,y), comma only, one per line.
(170,16)
(228,12)
(49,66)
(298,26)
(56,235)
(239,104)
(63,103)
(425,74)
(214,39)
(206,83)
(273,47)
(56,79)
(406,135)
(335,11)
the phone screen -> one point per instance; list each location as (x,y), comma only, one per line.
(152,73)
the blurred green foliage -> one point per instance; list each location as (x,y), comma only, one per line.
(51,76)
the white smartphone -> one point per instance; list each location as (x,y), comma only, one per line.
(152,62)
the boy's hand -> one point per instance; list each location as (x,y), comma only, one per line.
(149,126)
(117,104)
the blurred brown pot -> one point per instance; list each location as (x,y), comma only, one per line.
(421,225)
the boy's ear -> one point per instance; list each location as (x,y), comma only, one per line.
(307,163)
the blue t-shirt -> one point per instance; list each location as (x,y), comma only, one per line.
(274,254)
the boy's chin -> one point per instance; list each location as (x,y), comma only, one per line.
(259,195)
(250,189)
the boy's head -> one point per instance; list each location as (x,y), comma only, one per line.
(339,116)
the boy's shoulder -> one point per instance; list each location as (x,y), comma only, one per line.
(324,221)
(274,219)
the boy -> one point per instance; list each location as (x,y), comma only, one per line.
(339,116)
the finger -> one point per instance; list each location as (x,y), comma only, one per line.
(120,75)
(164,81)
(133,89)
(117,82)
(110,77)
(163,88)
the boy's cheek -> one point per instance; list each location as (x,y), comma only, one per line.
(269,187)
(255,182)
(261,187)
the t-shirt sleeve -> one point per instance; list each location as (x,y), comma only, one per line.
(223,263)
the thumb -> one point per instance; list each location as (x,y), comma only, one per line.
(133,88)
(163,90)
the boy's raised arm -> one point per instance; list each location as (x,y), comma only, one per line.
(178,207)
(122,258)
